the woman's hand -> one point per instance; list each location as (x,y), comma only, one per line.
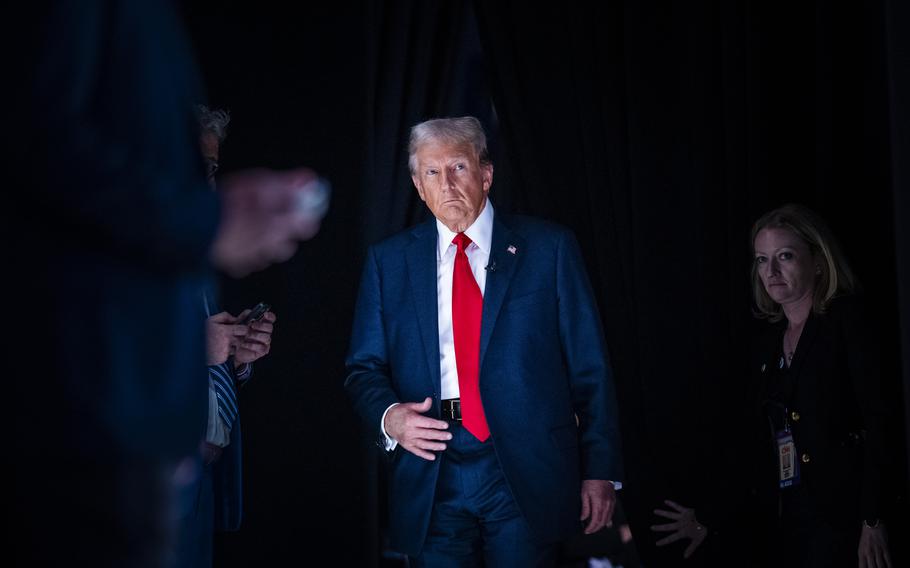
(685,525)
(873,547)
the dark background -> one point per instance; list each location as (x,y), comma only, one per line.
(657,131)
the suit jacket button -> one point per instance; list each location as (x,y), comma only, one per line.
(794,416)
(805,458)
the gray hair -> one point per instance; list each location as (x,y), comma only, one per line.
(455,131)
(214,121)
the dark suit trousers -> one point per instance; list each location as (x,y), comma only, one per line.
(475,521)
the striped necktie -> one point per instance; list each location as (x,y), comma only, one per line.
(223,381)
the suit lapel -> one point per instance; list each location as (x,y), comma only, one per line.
(804,346)
(505,254)
(421,261)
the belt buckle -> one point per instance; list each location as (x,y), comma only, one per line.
(451,409)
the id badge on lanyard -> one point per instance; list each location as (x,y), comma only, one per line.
(788,464)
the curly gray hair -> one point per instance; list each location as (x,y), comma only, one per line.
(214,121)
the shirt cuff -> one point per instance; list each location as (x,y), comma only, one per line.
(243,372)
(388,443)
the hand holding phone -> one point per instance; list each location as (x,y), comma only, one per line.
(255,314)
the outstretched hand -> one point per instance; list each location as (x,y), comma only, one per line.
(684,526)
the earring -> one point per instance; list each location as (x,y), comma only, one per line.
(818,270)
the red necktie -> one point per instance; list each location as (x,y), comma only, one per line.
(467,307)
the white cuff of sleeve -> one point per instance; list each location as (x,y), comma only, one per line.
(388,443)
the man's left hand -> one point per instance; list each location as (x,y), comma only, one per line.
(598,499)
(258,340)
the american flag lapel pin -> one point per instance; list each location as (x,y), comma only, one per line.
(512,249)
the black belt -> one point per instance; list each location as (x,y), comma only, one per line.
(451,409)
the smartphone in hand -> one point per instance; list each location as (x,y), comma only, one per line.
(256,313)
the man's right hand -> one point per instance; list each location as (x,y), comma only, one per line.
(418,434)
(222,332)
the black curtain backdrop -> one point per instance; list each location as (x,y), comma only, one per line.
(897,51)
(424,61)
(639,143)
(658,131)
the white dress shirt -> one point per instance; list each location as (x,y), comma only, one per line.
(216,431)
(478,253)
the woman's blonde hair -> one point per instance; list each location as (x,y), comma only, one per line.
(834,278)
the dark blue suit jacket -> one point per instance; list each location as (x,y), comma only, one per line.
(543,362)
(227,484)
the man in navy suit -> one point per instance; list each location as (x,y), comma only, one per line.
(478,359)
